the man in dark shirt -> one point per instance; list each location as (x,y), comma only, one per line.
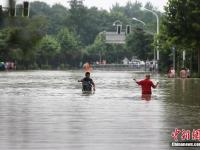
(146,84)
(87,83)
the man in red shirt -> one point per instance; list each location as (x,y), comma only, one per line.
(146,84)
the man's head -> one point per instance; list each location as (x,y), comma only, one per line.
(183,68)
(147,76)
(87,74)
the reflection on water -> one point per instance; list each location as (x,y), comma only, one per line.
(47,110)
(146,97)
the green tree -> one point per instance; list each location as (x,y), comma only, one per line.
(139,44)
(47,49)
(40,9)
(96,51)
(182,26)
(70,48)
(5,36)
(76,29)
(77,15)
(58,18)
(100,50)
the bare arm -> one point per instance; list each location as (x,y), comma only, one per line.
(155,86)
(80,80)
(136,81)
(93,85)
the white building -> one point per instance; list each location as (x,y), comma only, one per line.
(125,61)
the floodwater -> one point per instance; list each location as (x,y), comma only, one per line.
(46,110)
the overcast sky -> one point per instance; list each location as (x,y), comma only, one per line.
(104,4)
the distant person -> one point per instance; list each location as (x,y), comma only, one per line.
(146,85)
(151,68)
(87,83)
(183,73)
(188,72)
(80,64)
(2,66)
(87,67)
(171,72)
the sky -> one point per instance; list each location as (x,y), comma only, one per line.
(102,4)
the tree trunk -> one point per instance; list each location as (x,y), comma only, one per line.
(199,62)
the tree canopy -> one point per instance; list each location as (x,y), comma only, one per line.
(180,28)
(68,36)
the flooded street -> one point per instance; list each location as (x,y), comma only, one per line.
(46,110)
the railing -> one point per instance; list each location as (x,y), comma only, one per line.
(128,67)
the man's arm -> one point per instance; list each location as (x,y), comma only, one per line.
(138,82)
(80,80)
(155,86)
(93,85)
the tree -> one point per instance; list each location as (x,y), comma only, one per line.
(139,44)
(58,18)
(5,36)
(70,50)
(40,9)
(181,25)
(76,29)
(77,15)
(96,51)
(100,50)
(47,48)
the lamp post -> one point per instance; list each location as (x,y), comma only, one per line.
(157,18)
(143,25)
(100,51)
(183,58)
(157,30)
(174,57)
(139,21)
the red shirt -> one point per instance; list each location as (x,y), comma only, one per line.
(146,86)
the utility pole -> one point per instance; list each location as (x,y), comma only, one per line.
(174,57)
(183,58)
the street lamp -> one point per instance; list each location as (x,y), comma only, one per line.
(157,28)
(157,18)
(100,51)
(139,21)
(143,25)
(183,58)
(174,57)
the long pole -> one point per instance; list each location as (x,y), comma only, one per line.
(174,58)
(183,58)
(139,21)
(157,30)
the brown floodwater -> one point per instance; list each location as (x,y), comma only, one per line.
(46,110)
